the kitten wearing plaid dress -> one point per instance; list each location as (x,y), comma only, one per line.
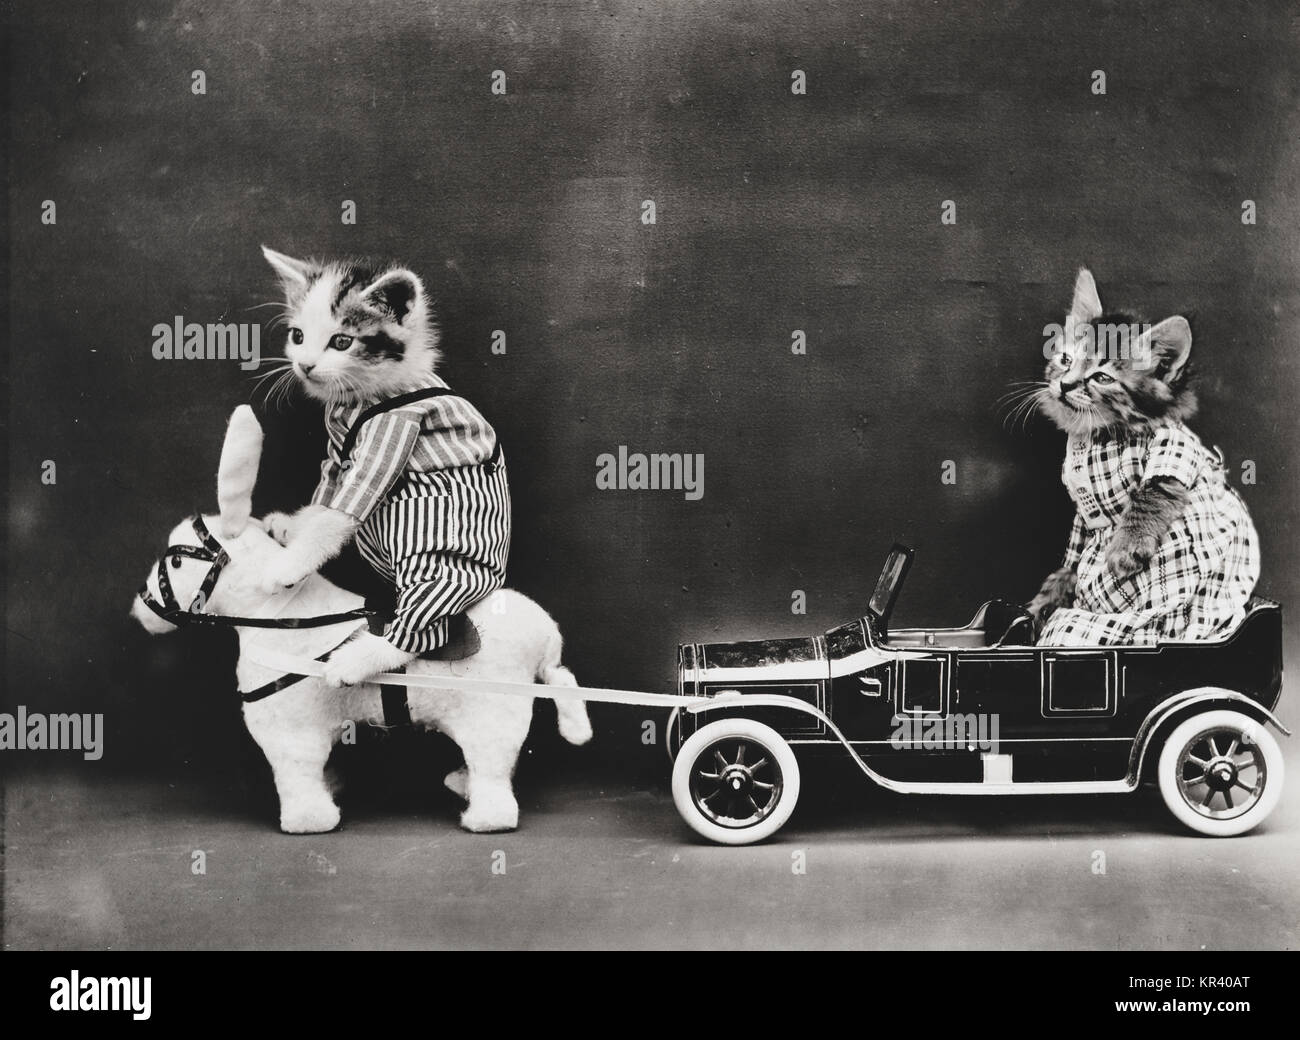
(422,488)
(1161,547)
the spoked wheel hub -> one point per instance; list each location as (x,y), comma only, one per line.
(735,781)
(1222,773)
(731,791)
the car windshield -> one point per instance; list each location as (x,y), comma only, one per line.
(889,582)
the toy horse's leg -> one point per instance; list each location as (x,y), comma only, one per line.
(297,750)
(490,731)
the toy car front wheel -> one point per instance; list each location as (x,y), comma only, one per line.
(735,781)
(1220,773)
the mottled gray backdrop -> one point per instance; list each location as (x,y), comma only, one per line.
(775,212)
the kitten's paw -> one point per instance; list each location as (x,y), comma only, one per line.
(283,573)
(1127,554)
(1040,608)
(1057,591)
(352,663)
(279,526)
(362,657)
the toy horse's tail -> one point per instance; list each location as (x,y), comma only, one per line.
(575,727)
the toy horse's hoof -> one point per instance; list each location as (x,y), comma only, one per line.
(502,816)
(312,821)
(489,826)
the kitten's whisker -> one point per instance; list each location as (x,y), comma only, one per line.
(1024,408)
(1032,406)
(259,380)
(1021,384)
(1024,386)
(281,388)
(275,368)
(1023,401)
(1013,418)
(1009,404)
(270,390)
(1011,400)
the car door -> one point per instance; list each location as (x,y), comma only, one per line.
(923,684)
(1078,684)
(1039,693)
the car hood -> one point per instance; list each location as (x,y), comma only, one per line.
(761,660)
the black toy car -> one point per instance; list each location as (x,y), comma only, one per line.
(980,709)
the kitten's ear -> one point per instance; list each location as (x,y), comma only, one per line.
(237,472)
(1086,305)
(295,275)
(1165,347)
(398,292)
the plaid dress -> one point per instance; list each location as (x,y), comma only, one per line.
(433,503)
(1201,576)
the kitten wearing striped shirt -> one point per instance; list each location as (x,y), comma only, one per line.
(1162,547)
(421,487)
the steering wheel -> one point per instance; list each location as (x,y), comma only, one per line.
(1023,618)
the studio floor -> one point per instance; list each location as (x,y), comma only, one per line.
(94,863)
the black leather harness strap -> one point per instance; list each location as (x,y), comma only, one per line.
(211,552)
(397,711)
(282,683)
(401,401)
(185,617)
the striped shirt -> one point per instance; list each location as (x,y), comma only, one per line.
(425,437)
(433,520)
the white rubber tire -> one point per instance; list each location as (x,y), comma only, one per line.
(752,732)
(1169,772)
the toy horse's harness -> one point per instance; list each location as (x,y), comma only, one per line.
(396,709)
(211,552)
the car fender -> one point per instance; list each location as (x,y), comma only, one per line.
(1170,710)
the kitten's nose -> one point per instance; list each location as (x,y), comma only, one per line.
(1067,387)
(306,369)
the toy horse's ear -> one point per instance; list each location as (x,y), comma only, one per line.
(237,472)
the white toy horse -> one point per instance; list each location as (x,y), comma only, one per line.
(297,720)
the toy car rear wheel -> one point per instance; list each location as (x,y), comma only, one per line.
(1221,773)
(735,781)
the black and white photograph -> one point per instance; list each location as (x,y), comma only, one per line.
(652,475)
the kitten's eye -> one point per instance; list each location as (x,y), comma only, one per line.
(295,335)
(1103,377)
(340,342)
(1064,360)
